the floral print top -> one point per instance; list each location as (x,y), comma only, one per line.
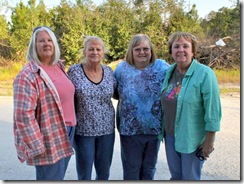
(139,107)
(95,113)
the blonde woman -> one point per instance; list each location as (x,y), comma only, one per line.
(94,87)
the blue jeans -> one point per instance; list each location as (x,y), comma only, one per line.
(139,154)
(57,170)
(97,150)
(182,166)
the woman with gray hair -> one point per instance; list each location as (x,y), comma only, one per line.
(94,87)
(44,115)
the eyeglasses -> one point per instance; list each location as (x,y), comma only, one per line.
(145,50)
(199,154)
(38,27)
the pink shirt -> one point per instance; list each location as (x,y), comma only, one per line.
(66,91)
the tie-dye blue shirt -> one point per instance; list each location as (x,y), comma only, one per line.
(139,107)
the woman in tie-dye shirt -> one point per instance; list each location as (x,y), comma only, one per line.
(140,79)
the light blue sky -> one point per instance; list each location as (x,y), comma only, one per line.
(203,6)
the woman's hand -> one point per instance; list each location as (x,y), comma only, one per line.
(41,155)
(208,145)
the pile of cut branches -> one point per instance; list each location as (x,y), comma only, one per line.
(226,56)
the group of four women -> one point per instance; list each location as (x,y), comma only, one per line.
(55,111)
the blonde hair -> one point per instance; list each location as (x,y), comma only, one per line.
(135,41)
(96,39)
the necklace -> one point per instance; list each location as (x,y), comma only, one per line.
(178,77)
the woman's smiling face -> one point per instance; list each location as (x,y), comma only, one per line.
(142,54)
(182,52)
(44,47)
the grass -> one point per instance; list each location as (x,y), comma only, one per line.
(7,75)
(229,90)
(229,81)
(226,78)
(10,72)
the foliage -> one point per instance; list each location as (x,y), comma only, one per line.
(5,49)
(220,24)
(115,21)
(69,30)
(24,18)
(118,25)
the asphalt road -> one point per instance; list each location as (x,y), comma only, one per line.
(223,164)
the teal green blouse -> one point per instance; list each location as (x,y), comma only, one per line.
(198,107)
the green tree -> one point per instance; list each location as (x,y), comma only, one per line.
(117,21)
(5,48)
(153,27)
(20,31)
(139,9)
(223,23)
(73,22)
(176,19)
(24,18)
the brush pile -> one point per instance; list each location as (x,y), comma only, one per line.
(224,54)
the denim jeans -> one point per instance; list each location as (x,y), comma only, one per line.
(182,166)
(57,170)
(94,149)
(139,154)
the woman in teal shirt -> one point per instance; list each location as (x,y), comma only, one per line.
(191,109)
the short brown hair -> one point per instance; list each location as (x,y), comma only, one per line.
(189,37)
